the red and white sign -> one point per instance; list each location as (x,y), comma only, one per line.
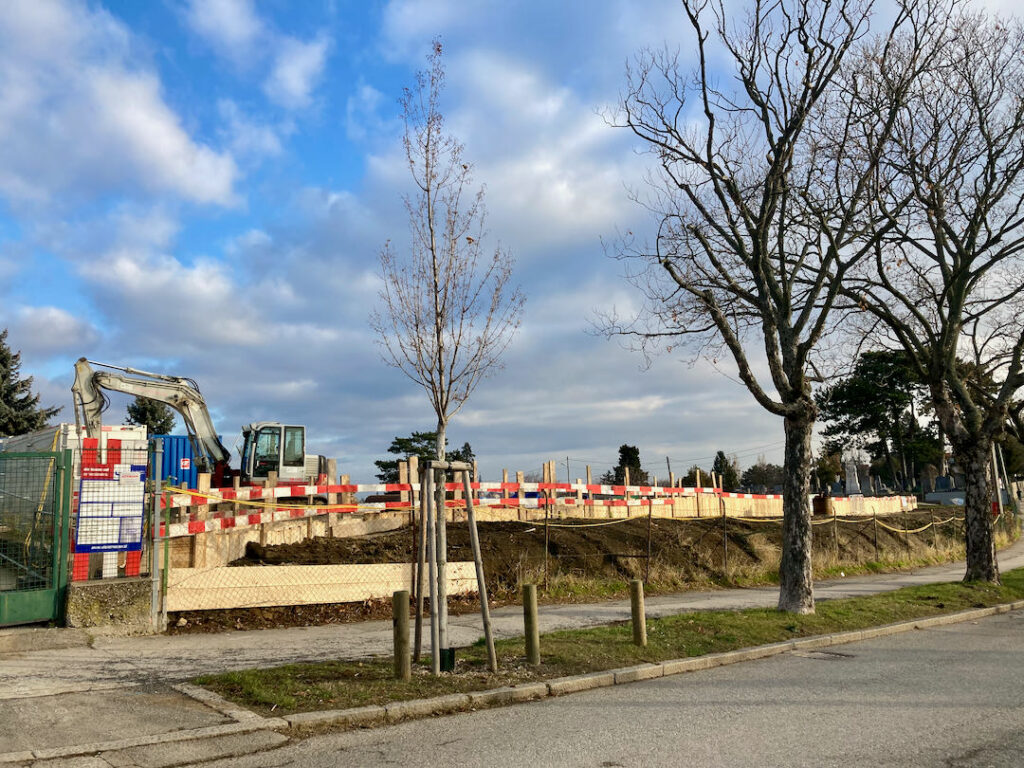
(186,465)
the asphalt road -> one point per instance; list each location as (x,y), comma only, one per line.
(950,697)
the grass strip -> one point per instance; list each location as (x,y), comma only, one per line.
(343,684)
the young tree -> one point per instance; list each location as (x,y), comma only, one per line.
(422,445)
(448,308)
(946,285)
(19,408)
(759,217)
(156,417)
(629,458)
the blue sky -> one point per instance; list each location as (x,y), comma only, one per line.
(201,187)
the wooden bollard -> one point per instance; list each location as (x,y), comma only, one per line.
(636,599)
(531,630)
(400,621)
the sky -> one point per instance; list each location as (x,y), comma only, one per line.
(202,188)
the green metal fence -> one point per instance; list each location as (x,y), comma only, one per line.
(35,493)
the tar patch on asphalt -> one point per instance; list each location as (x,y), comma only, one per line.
(823,655)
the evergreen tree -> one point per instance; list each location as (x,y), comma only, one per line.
(629,456)
(728,470)
(19,408)
(422,445)
(156,417)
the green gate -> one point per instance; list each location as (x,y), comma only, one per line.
(35,501)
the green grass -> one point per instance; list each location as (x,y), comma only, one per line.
(340,685)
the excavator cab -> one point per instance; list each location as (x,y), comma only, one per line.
(270,446)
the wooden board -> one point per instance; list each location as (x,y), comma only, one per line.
(203,589)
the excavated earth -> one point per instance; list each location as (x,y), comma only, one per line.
(685,553)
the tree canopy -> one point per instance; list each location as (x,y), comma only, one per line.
(422,445)
(156,417)
(19,406)
(629,457)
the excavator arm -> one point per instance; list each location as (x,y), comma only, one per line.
(180,394)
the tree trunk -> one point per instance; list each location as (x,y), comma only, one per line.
(796,582)
(979,533)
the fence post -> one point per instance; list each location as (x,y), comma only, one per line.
(931,518)
(639,614)
(530,628)
(400,620)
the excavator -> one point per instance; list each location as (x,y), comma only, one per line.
(267,446)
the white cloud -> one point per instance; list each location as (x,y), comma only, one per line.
(297,68)
(249,138)
(43,331)
(79,117)
(230,26)
(362,113)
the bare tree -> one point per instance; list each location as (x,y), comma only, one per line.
(947,282)
(448,310)
(760,215)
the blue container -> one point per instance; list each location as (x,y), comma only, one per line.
(178,451)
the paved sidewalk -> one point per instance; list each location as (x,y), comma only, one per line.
(104,688)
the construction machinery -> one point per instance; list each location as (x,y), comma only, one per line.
(267,446)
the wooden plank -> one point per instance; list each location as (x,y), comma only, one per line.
(201,589)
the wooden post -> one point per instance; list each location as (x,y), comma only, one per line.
(636,600)
(441,523)
(400,622)
(590,476)
(547,536)
(530,627)
(481,584)
(504,482)
(698,479)
(435,652)
(403,479)
(347,498)
(421,563)
(931,518)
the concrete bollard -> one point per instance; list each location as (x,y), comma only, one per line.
(636,599)
(400,622)
(532,631)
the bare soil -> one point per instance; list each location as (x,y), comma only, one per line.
(587,562)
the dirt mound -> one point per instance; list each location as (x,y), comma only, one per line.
(588,561)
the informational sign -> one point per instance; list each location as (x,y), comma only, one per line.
(186,465)
(111,501)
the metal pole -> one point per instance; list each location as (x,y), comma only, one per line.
(725,541)
(441,523)
(547,534)
(874,523)
(481,584)
(650,515)
(995,479)
(421,567)
(435,644)
(155,477)
(165,495)
(1006,480)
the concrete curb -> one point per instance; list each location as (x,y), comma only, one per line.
(365,717)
